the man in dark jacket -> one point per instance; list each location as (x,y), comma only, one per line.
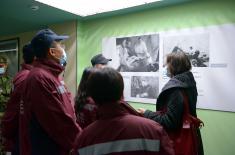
(10,120)
(117,131)
(48,122)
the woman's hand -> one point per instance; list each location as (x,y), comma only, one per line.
(141,110)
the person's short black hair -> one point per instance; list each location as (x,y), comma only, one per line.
(105,85)
(28,54)
(178,62)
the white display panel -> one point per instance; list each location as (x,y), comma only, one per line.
(211,50)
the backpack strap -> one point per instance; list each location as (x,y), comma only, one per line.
(186,115)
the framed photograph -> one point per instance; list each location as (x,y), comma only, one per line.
(195,46)
(138,53)
(137,59)
(9,49)
(144,87)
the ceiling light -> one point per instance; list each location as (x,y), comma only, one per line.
(34,7)
(91,7)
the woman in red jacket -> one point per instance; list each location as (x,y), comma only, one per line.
(85,107)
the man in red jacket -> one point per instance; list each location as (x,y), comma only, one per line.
(117,131)
(10,119)
(48,123)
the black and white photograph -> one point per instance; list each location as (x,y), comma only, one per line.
(9,53)
(138,53)
(144,87)
(195,46)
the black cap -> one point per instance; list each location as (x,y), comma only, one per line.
(99,59)
(45,37)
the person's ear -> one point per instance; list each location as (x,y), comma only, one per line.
(51,52)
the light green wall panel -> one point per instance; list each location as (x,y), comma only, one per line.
(218,133)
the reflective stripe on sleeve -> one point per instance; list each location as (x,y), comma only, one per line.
(121,146)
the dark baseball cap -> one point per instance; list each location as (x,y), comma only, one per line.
(99,59)
(45,37)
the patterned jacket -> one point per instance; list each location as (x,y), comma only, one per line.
(5,90)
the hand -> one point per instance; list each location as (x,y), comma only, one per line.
(141,110)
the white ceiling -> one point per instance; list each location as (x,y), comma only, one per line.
(91,7)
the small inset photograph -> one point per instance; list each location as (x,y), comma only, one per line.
(144,87)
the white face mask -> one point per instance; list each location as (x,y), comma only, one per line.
(2,70)
(166,72)
(63,59)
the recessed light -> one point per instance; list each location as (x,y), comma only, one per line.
(34,7)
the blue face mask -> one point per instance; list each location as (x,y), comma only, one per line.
(63,59)
(2,70)
(166,72)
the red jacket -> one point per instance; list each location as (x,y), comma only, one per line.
(87,113)
(118,132)
(48,122)
(10,119)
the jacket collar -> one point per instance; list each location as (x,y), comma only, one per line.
(183,80)
(111,110)
(49,65)
(26,66)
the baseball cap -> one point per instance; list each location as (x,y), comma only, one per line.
(45,37)
(99,59)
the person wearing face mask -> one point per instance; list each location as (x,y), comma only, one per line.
(5,83)
(181,89)
(5,89)
(47,107)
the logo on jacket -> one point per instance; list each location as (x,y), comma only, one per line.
(21,107)
(61,89)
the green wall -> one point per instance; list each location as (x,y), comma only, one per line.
(219,131)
